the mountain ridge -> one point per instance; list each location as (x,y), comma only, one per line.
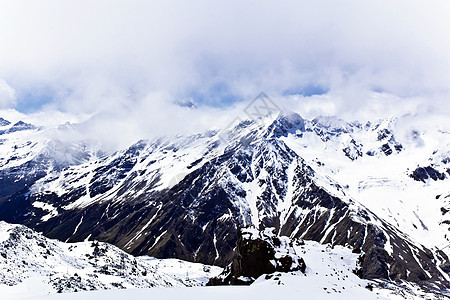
(186,197)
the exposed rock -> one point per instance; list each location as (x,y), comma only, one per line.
(4,122)
(353,151)
(424,173)
(386,149)
(258,253)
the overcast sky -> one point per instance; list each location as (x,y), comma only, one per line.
(84,56)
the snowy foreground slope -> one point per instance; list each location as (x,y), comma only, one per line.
(38,268)
(29,260)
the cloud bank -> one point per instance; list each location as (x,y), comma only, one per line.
(7,95)
(133,58)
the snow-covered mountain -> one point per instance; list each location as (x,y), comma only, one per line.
(28,153)
(380,188)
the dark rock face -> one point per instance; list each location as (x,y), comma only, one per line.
(256,254)
(181,225)
(386,149)
(15,179)
(353,151)
(109,175)
(386,136)
(424,173)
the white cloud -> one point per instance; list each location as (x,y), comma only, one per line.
(7,95)
(115,56)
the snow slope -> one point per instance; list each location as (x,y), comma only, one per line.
(28,260)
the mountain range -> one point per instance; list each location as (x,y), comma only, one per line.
(379,188)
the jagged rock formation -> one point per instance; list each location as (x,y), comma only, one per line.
(259,253)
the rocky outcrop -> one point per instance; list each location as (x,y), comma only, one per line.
(258,253)
(425,173)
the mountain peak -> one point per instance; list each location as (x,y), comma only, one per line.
(23,126)
(4,122)
(286,122)
(19,126)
